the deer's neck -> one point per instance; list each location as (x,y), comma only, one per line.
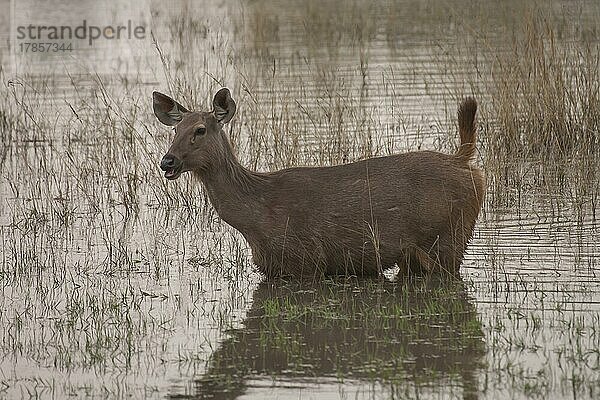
(236,193)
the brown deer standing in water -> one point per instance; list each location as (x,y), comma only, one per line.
(416,210)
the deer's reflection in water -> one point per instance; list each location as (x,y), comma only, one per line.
(403,335)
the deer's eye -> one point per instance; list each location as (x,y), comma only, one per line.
(198,132)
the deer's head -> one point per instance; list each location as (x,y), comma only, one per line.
(199,138)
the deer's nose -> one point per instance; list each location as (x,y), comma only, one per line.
(169,162)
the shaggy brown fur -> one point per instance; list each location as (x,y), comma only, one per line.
(416,210)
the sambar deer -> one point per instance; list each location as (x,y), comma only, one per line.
(416,210)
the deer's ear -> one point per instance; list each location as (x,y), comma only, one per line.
(167,110)
(223,106)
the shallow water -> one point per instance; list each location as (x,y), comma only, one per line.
(117,283)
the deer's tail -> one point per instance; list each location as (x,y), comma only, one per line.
(467,129)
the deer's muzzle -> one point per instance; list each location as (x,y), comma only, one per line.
(172,166)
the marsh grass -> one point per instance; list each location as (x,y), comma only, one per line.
(546,98)
(542,125)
